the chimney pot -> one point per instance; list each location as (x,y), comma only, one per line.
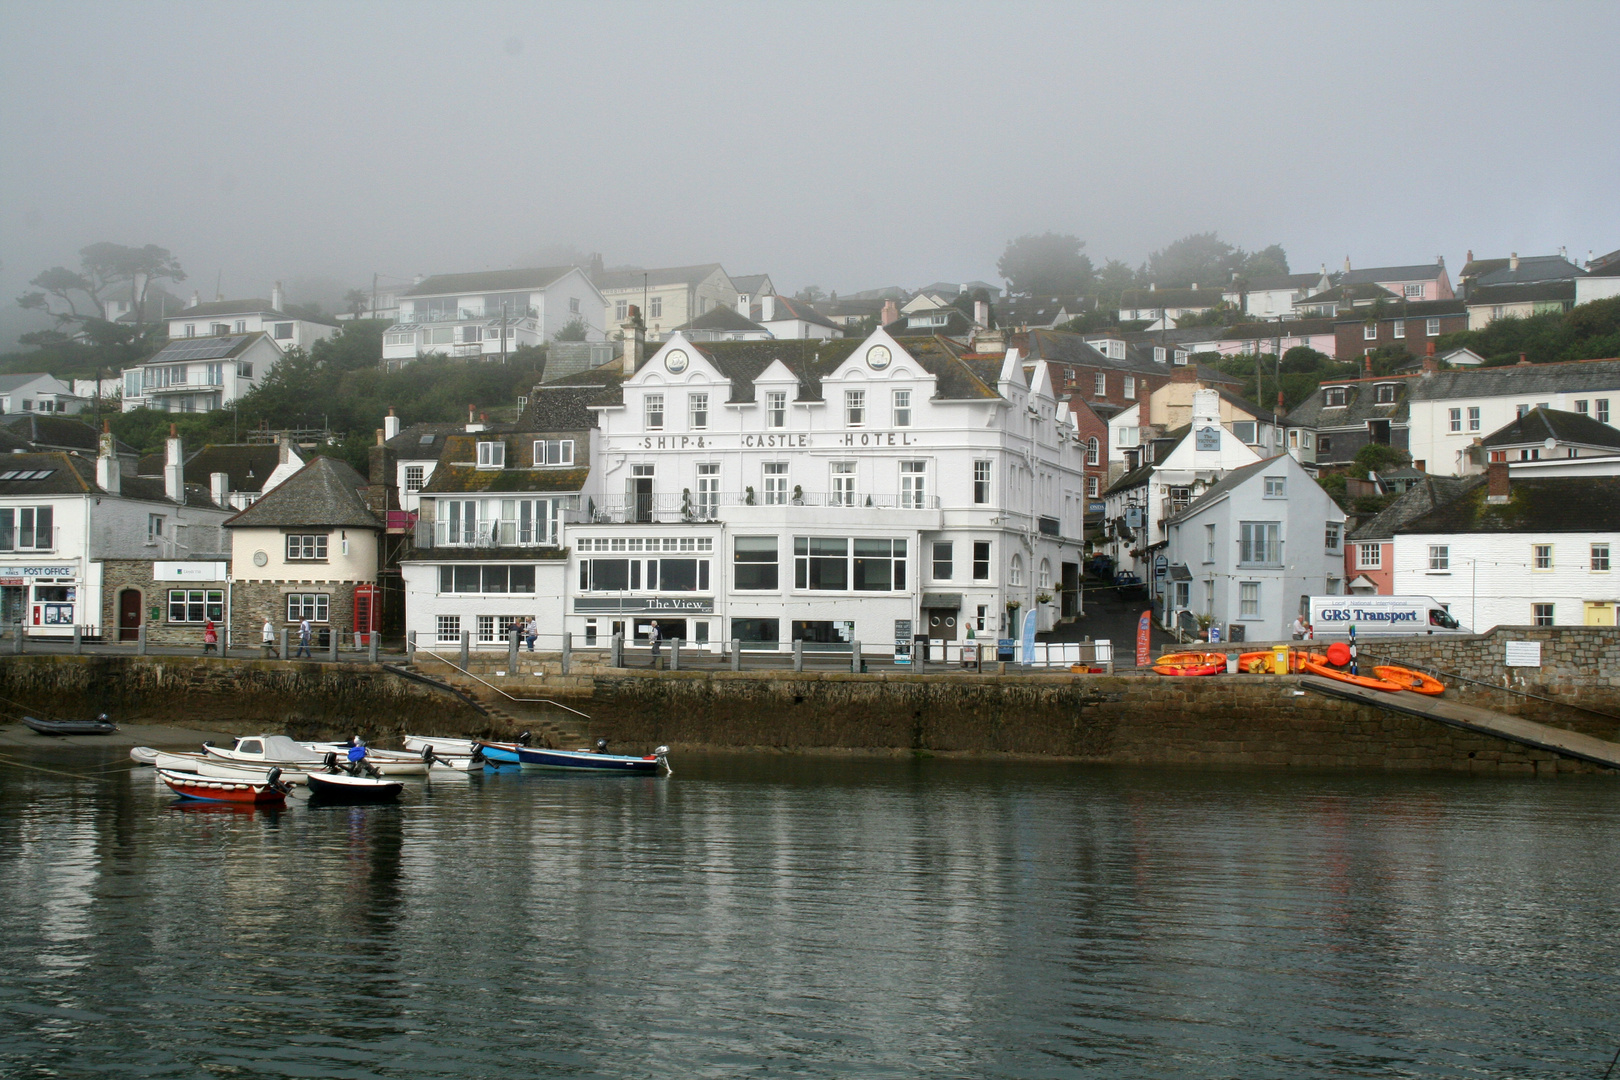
(1497,485)
(1513,261)
(1524,361)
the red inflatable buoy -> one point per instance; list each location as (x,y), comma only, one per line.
(1338,654)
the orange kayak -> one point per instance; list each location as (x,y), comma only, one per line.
(1318,668)
(1259,663)
(1415,681)
(1191,663)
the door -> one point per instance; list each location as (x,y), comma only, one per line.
(1070,596)
(1599,613)
(942,629)
(129,615)
(641,502)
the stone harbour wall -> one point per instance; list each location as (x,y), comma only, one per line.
(1139,720)
(241,696)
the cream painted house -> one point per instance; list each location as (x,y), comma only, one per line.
(667,298)
(301,551)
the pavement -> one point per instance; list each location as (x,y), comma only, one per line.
(1111,614)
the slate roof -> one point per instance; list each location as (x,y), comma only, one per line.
(1535,505)
(458,469)
(1532,269)
(1348,294)
(247,465)
(1283,281)
(1404,309)
(565,405)
(725,319)
(11,442)
(1247,406)
(487,281)
(752,284)
(1041,311)
(956,324)
(71,474)
(57,432)
(1260,331)
(408,443)
(1538,425)
(1141,473)
(326,492)
(1426,272)
(1419,499)
(1605,265)
(1482,295)
(788,308)
(610,280)
(8,383)
(1570,376)
(1361,404)
(215,308)
(1169,298)
(1226,483)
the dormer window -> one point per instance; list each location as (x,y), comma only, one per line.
(1333,396)
(491,455)
(1386,393)
(1181,357)
(1159,352)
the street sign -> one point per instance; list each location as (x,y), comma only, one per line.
(1161,566)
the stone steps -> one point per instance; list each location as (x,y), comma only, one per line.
(546,726)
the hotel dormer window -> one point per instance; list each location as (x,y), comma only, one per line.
(491,455)
(776,408)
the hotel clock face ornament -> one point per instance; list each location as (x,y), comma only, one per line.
(260,558)
(877,357)
(675,361)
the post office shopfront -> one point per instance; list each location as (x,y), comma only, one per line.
(47,598)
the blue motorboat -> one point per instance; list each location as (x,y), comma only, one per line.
(598,760)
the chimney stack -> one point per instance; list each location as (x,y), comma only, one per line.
(767,307)
(635,340)
(1430,364)
(1513,261)
(219,488)
(1497,487)
(277,299)
(891,313)
(1470,257)
(1524,361)
(196,298)
(109,477)
(981,313)
(1367,364)
(174,474)
(390,425)
(382,490)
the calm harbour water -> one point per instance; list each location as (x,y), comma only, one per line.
(814,917)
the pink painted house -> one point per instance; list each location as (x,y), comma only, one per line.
(1426,282)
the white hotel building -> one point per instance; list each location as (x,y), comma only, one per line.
(870,492)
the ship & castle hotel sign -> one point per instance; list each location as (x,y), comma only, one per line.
(840,441)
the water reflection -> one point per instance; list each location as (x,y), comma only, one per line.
(816,917)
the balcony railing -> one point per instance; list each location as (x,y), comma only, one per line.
(466,315)
(482,534)
(190,386)
(706,506)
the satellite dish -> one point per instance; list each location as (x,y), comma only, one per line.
(1551,443)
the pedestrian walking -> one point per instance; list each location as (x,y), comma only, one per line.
(531,630)
(653,638)
(303,640)
(269,638)
(210,637)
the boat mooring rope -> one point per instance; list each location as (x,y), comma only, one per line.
(57,772)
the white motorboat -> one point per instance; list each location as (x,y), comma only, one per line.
(267,750)
(143,755)
(443,746)
(206,765)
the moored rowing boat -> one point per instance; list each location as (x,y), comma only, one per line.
(217,789)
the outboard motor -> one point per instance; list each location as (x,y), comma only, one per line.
(273,781)
(601,746)
(427,754)
(523,739)
(330,763)
(662,754)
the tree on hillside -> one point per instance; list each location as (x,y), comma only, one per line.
(1114,278)
(809,294)
(356,302)
(106,272)
(1211,262)
(1049,264)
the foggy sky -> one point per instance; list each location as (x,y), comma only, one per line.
(848,146)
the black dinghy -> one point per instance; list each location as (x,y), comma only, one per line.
(99,726)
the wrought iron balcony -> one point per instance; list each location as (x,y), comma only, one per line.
(706,506)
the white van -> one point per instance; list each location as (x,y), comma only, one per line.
(1381,616)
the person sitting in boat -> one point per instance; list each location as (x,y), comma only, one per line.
(357,752)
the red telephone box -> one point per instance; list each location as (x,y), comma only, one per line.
(367,613)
